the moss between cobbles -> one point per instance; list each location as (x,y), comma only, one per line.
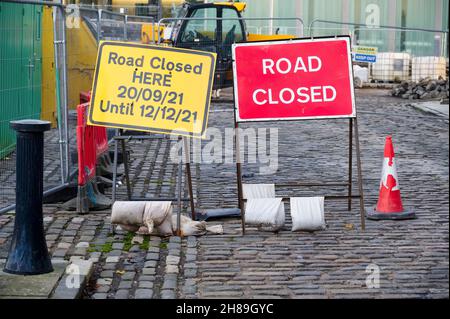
(105,248)
(92,248)
(127,241)
(146,244)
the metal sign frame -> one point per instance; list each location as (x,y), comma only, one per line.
(353,135)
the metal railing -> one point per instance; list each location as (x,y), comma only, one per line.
(131,20)
(100,18)
(355,28)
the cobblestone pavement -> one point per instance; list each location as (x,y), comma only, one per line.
(412,256)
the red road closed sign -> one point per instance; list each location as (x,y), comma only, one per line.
(294,79)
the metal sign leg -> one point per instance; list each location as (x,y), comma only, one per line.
(360,182)
(114,186)
(126,167)
(187,155)
(239,176)
(179,194)
(350,163)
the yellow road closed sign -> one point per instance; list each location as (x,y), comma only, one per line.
(152,88)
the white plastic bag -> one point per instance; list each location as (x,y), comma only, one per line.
(308,213)
(156,218)
(145,217)
(265,212)
(127,213)
(158,215)
(191,227)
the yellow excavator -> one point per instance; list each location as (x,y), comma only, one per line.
(206,33)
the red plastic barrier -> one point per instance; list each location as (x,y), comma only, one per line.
(101,140)
(100,135)
(87,154)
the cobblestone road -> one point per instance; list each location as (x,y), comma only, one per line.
(412,256)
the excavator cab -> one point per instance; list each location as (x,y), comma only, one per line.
(203,32)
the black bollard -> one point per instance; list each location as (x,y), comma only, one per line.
(28,254)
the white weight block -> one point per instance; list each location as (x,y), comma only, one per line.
(308,213)
(265,212)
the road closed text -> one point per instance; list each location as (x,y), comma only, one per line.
(293,79)
(314,94)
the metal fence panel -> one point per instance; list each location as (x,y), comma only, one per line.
(20,82)
(20,65)
(27,89)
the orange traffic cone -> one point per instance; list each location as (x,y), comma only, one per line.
(389,204)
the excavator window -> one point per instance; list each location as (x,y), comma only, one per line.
(200,31)
(231,29)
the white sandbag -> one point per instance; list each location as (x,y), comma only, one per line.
(156,231)
(129,228)
(127,213)
(165,229)
(215,229)
(143,230)
(308,213)
(258,191)
(188,226)
(156,218)
(191,227)
(158,215)
(265,212)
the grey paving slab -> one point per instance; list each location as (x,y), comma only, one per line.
(36,286)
